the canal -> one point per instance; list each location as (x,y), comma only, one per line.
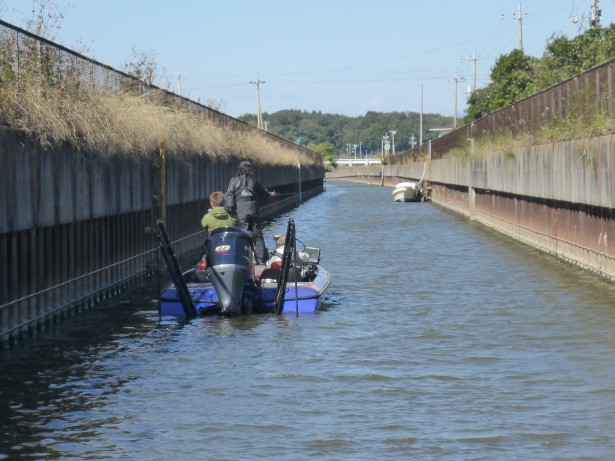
(440,340)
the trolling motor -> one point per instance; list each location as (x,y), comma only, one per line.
(229,257)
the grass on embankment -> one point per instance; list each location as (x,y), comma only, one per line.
(108,123)
(582,122)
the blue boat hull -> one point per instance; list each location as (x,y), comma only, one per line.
(304,297)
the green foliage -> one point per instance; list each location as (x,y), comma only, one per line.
(512,79)
(326,149)
(516,76)
(315,128)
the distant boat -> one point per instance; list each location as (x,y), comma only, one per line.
(407,192)
(413,191)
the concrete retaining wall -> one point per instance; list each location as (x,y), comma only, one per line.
(559,197)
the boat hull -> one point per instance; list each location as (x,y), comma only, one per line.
(302,297)
(406,192)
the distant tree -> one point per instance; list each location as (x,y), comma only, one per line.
(511,78)
(144,66)
(566,57)
(216,104)
(45,19)
(315,128)
(478,104)
(327,150)
(516,75)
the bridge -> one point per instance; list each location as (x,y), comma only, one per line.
(359,161)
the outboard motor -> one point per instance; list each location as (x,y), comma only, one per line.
(229,257)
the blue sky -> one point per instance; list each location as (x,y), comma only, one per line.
(335,56)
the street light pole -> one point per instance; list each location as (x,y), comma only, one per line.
(393,133)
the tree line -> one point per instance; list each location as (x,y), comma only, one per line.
(516,75)
(344,132)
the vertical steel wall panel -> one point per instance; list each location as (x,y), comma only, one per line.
(74,225)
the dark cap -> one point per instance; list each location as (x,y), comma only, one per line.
(244,167)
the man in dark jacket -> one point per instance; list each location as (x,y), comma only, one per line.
(242,194)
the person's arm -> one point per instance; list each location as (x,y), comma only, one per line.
(229,196)
(232,186)
(262,189)
(204,221)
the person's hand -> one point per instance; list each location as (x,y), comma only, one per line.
(273,193)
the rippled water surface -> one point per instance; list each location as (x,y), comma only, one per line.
(440,341)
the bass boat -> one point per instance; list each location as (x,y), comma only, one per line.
(226,281)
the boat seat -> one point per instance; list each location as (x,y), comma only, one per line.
(270,275)
(273,275)
(199,276)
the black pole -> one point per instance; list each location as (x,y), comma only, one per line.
(278,305)
(175,271)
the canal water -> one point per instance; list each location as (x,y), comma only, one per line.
(440,340)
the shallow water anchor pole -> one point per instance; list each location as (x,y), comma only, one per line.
(278,305)
(181,287)
(163,183)
(299,170)
(294,250)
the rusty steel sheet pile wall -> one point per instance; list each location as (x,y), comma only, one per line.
(559,198)
(595,87)
(73,225)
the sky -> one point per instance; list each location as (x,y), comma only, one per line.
(334,56)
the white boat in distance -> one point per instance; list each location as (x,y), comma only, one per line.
(407,192)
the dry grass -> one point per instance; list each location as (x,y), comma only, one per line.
(126,124)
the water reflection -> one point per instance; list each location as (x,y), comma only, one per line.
(440,341)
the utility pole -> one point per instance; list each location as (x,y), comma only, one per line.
(472,58)
(259,116)
(421,119)
(594,15)
(520,19)
(456,79)
(179,84)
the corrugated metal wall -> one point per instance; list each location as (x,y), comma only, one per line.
(72,226)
